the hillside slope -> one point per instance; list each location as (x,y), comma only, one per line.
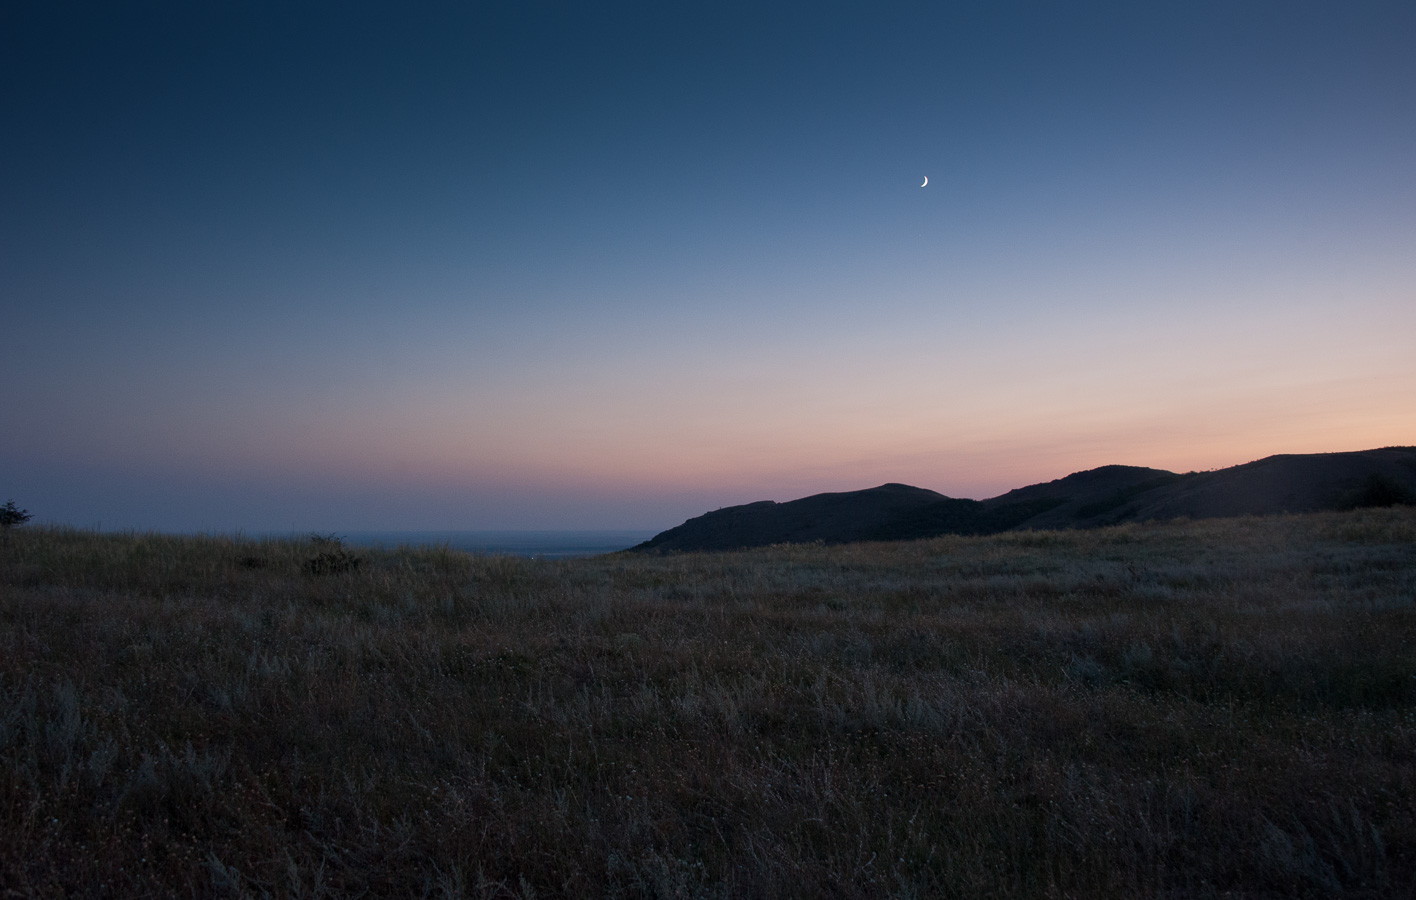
(1104,496)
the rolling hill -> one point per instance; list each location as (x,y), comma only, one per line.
(1109,495)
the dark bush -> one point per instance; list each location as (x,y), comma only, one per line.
(332,558)
(1378,490)
(332,562)
(11,515)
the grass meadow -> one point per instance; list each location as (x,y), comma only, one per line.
(1186,709)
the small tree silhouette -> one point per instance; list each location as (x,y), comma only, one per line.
(11,515)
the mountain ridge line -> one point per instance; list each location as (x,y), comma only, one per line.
(1092,498)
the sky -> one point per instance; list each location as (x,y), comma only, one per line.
(542,265)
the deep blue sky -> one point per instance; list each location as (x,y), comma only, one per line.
(576,265)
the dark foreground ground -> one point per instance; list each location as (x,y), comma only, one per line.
(1198,709)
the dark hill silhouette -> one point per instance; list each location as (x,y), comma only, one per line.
(1096,497)
(835,518)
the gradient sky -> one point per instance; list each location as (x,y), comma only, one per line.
(273,266)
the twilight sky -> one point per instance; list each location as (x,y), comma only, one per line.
(579,265)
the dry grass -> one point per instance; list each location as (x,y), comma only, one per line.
(1178,710)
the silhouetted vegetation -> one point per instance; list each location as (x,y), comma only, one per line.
(1215,708)
(11,515)
(332,559)
(1376,491)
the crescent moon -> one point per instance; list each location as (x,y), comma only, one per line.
(926,180)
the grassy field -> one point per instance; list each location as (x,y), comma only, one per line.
(1189,709)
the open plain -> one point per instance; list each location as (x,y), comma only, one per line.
(1185,709)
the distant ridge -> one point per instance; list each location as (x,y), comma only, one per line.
(1090,499)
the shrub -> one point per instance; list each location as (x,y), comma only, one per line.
(333,558)
(11,515)
(1378,490)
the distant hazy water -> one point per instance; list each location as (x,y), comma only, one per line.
(539,544)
